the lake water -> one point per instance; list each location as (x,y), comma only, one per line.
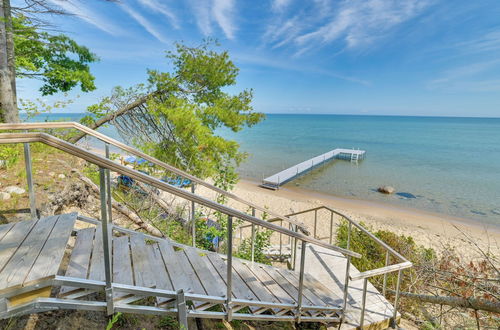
(446,165)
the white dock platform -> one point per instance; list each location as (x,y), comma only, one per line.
(280,178)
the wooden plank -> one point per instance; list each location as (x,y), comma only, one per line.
(143,272)
(306,292)
(173,267)
(253,283)
(161,275)
(219,281)
(4,229)
(270,283)
(19,265)
(13,239)
(96,271)
(79,261)
(122,263)
(239,289)
(49,260)
(29,296)
(206,277)
(190,273)
(285,284)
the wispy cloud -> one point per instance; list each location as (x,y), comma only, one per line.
(208,12)
(280,5)
(353,23)
(144,23)
(475,77)
(284,65)
(161,8)
(223,11)
(489,42)
(89,16)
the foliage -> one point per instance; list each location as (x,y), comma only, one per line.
(113,320)
(9,154)
(262,242)
(57,60)
(179,121)
(39,105)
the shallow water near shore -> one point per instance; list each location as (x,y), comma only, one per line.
(445,165)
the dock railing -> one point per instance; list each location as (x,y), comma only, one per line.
(106,165)
(402,263)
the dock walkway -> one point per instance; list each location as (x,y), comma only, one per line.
(280,178)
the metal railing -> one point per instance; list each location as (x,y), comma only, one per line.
(110,141)
(389,251)
(105,165)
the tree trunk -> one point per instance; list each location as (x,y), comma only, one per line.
(114,114)
(8,108)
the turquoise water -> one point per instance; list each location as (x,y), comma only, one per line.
(446,165)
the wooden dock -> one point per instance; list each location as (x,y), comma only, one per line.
(280,178)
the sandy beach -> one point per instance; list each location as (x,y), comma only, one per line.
(428,229)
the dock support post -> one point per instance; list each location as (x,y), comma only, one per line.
(229,282)
(253,236)
(180,302)
(106,239)
(301,279)
(29,177)
(193,217)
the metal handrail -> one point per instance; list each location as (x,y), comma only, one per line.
(9,138)
(118,144)
(399,267)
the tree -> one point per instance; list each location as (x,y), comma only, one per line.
(176,115)
(26,51)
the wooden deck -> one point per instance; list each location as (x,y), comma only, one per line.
(276,180)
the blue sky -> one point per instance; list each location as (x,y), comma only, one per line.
(374,57)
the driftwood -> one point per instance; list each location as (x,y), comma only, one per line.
(472,303)
(124,210)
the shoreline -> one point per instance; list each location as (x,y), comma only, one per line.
(427,228)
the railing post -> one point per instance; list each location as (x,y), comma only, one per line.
(315,222)
(229,283)
(384,286)
(29,177)
(294,248)
(396,300)
(253,236)
(108,188)
(363,304)
(193,217)
(281,239)
(106,239)
(180,302)
(301,279)
(347,269)
(331,227)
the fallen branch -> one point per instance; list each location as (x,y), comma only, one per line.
(472,303)
(124,209)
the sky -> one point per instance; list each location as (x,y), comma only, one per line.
(366,57)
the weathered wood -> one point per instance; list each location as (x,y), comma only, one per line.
(29,296)
(172,264)
(13,239)
(253,283)
(4,229)
(190,273)
(162,278)
(96,271)
(239,289)
(122,263)
(143,272)
(79,260)
(49,260)
(207,279)
(19,265)
(270,283)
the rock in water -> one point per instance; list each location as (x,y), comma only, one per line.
(14,190)
(386,190)
(4,196)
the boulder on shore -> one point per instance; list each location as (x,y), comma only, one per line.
(386,189)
